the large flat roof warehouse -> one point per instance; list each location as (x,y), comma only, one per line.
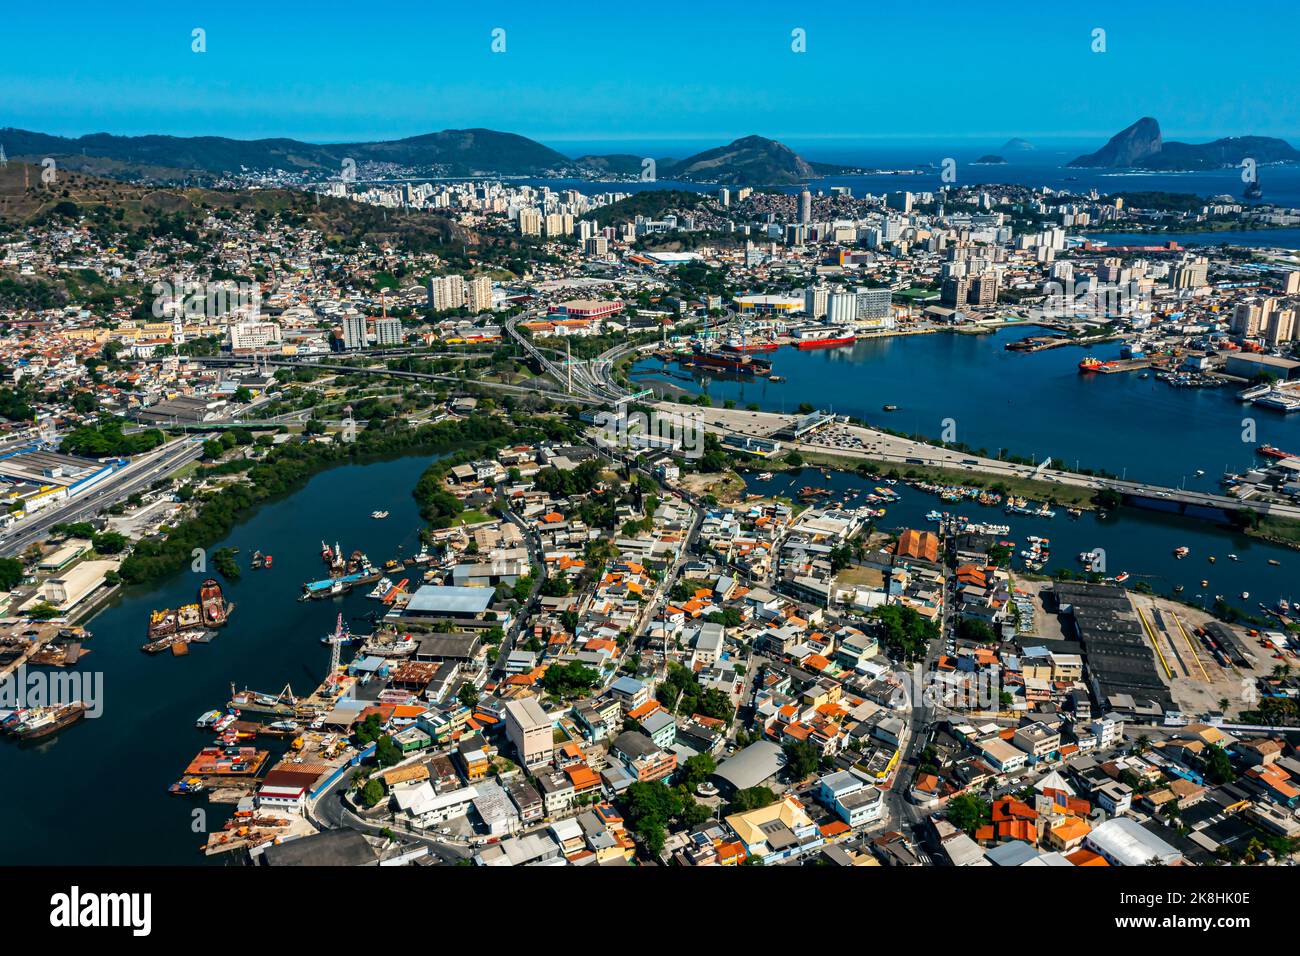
(47,468)
(433,600)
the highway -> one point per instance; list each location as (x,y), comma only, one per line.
(228,360)
(120,485)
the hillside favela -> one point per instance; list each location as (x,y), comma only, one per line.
(700,477)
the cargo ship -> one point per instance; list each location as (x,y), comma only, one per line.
(215,609)
(737,363)
(827,338)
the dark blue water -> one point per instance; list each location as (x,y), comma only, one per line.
(97,792)
(1139,542)
(1033,404)
(1257,238)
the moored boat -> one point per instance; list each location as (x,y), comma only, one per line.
(215,609)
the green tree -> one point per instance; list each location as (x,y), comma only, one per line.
(11,573)
(969,812)
(751,798)
(801,759)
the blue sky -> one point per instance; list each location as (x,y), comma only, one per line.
(640,71)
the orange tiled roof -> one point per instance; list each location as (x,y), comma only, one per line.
(1083,857)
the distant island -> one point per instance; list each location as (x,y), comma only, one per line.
(1015,143)
(990,160)
(1142,146)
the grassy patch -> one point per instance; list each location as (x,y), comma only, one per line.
(1282,530)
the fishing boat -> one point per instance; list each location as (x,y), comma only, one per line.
(890,408)
(1181,552)
(258,560)
(1272,452)
(1274,561)
(44,721)
(765,476)
(379,514)
(383,587)
(1121,577)
(215,610)
(1233,557)
(267,563)
(1212,559)
(1245,595)
(1178,589)
(828,337)
(187,787)
(222,723)
(744,344)
(208,719)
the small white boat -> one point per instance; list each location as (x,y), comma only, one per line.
(379,514)
(1245,595)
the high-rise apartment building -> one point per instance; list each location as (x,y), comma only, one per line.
(388,331)
(530,222)
(478,293)
(354,332)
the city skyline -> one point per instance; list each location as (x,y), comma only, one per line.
(679,75)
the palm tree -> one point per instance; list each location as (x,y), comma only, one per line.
(1141,744)
(1223,703)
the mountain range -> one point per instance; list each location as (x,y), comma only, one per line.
(751,160)
(1142,146)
